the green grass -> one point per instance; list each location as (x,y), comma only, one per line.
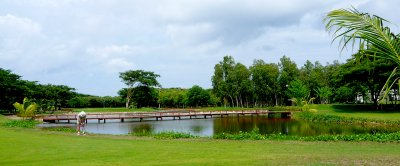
(113,110)
(35,147)
(358,111)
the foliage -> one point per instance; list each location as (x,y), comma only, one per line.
(344,94)
(298,90)
(172,97)
(11,89)
(324,93)
(264,78)
(61,129)
(137,78)
(197,96)
(164,135)
(377,137)
(222,79)
(21,123)
(48,97)
(304,104)
(341,119)
(173,135)
(95,102)
(375,39)
(26,109)
(288,72)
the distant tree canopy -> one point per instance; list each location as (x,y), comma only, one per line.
(197,96)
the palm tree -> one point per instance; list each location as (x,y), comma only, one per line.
(26,109)
(374,38)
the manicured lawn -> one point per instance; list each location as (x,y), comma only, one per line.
(35,147)
(358,111)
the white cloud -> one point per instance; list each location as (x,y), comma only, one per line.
(13,26)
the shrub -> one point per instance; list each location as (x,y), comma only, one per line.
(21,123)
(165,134)
(61,129)
(26,109)
(173,135)
(377,137)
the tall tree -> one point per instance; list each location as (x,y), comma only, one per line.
(288,72)
(298,90)
(264,78)
(239,83)
(367,73)
(10,89)
(221,79)
(135,78)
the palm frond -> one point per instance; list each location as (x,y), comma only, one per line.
(376,39)
(19,107)
(388,86)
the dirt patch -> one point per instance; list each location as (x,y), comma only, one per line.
(13,117)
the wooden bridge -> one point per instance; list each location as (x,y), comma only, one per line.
(160,115)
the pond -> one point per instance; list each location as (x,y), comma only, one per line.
(231,124)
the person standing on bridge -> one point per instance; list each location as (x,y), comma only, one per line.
(81,120)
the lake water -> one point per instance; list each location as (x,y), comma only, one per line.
(231,124)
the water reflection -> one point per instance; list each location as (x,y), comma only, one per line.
(233,124)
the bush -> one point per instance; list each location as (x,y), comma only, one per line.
(173,135)
(21,123)
(378,137)
(61,129)
(165,135)
(310,116)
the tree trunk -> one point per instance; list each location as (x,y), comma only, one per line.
(241,100)
(237,101)
(128,97)
(233,104)
(128,100)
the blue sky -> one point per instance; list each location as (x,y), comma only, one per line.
(86,43)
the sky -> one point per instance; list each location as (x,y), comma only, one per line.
(85,44)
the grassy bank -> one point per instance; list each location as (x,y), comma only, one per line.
(358,111)
(35,147)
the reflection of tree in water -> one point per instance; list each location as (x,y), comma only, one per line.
(142,129)
(226,125)
(197,129)
(264,124)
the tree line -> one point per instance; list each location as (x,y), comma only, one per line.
(48,97)
(262,84)
(270,84)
